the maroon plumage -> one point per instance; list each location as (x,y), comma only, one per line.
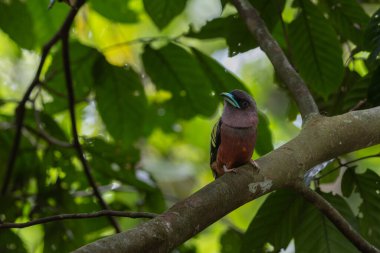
(234,135)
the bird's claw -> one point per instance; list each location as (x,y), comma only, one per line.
(254,163)
(226,170)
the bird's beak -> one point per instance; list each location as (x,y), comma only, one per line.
(230,99)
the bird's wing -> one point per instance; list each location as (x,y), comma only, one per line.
(215,141)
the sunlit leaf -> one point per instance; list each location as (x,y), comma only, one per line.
(316,50)
(115,10)
(163,11)
(121,101)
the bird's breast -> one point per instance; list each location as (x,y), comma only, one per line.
(236,147)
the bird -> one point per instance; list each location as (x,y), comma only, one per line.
(233,137)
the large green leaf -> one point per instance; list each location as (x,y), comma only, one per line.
(11,243)
(121,101)
(316,50)
(46,22)
(29,23)
(221,79)
(231,241)
(173,69)
(13,19)
(274,223)
(264,142)
(368,186)
(374,88)
(81,62)
(115,10)
(163,11)
(372,36)
(348,18)
(315,233)
(234,29)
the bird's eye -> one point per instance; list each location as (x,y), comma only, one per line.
(244,104)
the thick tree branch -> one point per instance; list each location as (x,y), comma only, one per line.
(284,69)
(71,216)
(20,110)
(321,139)
(74,130)
(336,218)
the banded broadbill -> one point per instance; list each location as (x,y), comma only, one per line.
(233,137)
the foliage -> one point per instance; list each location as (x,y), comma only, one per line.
(144,106)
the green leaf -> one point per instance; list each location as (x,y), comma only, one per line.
(121,101)
(232,28)
(173,69)
(46,22)
(82,60)
(29,23)
(348,182)
(372,36)
(231,241)
(11,243)
(270,11)
(316,50)
(9,13)
(374,88)
(368,186)
(221,79)
(315,233)
(115,10)
(348,18)
(274,223)
(264,142)
(163,11)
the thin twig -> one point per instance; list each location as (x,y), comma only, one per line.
(336,218)
(48,138)
(284,69)
(76,143)
(59,217)
(20,110)
(347,163)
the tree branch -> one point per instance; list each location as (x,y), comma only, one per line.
(336,218)
(284,69)
(321,139)
(77,145)
(69,216)
(20,110)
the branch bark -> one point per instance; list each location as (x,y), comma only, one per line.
(69,216)
(321,139)
(284,69)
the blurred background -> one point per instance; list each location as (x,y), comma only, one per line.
(147,145)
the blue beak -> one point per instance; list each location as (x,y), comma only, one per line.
(230,99)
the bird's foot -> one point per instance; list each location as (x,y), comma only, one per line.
(254,163)
(226,170)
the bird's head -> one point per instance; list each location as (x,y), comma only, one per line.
(239,109)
